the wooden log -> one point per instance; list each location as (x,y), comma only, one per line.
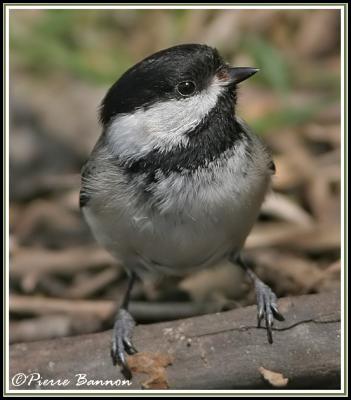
(218,351)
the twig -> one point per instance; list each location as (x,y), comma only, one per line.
(68,261)
(104,309)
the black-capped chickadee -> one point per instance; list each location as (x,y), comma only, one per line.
(176,180)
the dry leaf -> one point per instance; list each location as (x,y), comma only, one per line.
(276,379)
(154,365)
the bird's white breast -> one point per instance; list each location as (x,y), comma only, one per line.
(197,219)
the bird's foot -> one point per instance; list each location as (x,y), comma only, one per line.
(266,307)
(121,341)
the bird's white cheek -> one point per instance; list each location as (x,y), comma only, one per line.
(163,125)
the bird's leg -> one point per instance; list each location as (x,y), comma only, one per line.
(266,300)
(122,333)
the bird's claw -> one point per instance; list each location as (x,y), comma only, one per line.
(121,341)
(267,307)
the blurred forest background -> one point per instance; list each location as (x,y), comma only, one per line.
(61,64)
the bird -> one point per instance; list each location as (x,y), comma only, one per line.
(176,179)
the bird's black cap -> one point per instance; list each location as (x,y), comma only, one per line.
(155,78)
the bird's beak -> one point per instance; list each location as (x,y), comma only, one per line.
(239,74)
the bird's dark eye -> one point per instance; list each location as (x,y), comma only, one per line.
(186,88)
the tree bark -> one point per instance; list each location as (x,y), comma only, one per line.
(218,351)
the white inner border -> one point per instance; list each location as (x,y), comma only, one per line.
(114,392)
